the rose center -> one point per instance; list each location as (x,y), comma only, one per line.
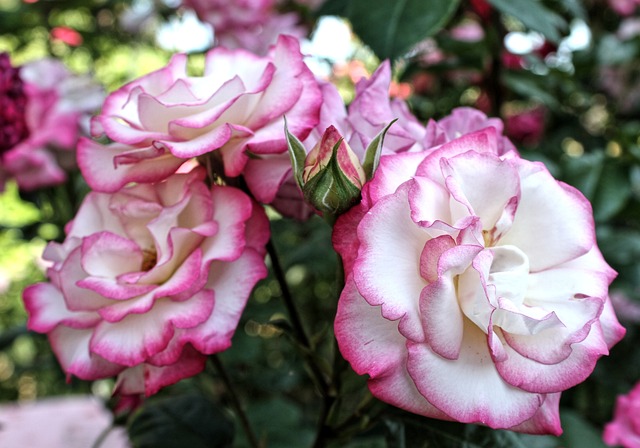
(149,259)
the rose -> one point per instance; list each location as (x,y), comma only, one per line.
(474,287)
(149,280)
(57,105)
(162,119)
(624,430)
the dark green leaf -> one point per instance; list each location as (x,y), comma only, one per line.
(578,432)
(575,8)
(333,8)
(530,87)
(620,246)
(391,28)
(613,192)
(188,420)
(414,432)
(603,181)
(279,423)
(534,15)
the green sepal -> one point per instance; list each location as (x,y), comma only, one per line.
(297,153)
(373,152)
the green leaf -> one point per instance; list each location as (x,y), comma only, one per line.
(279,423)
(188,420)
(534,15)
(621,246)
(413,432)
(332,8)
(613,192)
(372,154)
(531,87)
(605,182)
(578,432)
(391,28)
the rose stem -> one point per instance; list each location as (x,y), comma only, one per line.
(296,321)
(235,401)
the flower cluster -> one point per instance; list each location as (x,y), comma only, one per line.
(471,292)
(159,262)
(474,292)
(45,110)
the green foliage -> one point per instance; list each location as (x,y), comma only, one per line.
(391,28)
(185,420)
(534,15)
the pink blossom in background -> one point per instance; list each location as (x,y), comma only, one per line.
(167,117)
(58,105)
(462,121)
(627,309)
(371,111)
(62,422)
(624,430)
(475,291)
(13,101)
(624,7)
(250,24)
(468,31)
(67,35)
(150,280)
(526,126)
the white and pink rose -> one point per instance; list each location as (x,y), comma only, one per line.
(150,280)
(233,113)
(475,291)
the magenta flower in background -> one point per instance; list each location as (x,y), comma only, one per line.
(475,291)
(526,126)
(13,101)
(149,280)
(167,117)
(55,106)
(624,430)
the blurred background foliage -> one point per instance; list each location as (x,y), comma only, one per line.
(569,98)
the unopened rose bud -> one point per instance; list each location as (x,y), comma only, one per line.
(331,176)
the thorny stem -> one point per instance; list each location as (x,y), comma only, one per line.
(235,401)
